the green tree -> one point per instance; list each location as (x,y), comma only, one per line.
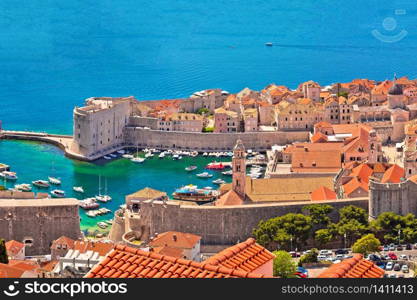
(203,111)
(352,229)
(310,257)
(208,129)
(352,212)
(323,236)
(284,266)
(4,259)
(285,231)
(319,213)
(366,244)
(343,94)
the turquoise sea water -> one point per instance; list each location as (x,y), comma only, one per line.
(55,53)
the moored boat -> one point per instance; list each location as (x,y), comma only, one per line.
(192,193)
(58,194)
(128,156)
(107,157)
(24,187)
(190,168)
(204,175)
(219,181)
(215,166)
(54,180)
(41,183)
(8,175)
(103,198)
(121,151)
(137,160)
(78,189)
(102,225)
(228,173)
(89,203)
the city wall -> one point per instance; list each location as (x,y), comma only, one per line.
(210,141)
(222,225)
(39,221)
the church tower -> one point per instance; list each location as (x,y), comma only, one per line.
(395,96)
(239,169)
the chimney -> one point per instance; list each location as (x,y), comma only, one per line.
(174,237)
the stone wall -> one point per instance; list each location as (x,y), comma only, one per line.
(222,225)
(400,198)
(41,221)
(211,141)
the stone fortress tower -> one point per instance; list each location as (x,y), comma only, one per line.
(239,169)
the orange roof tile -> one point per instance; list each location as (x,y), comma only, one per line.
(413,178)
(379,168)
(323,193)
(393,175)
(175,239)
(353,185)
(319,137)
(101,247)
(7,271)
(316,161)
(14,247)
(229,198)
(169,251)
(128,262)
(363,171)
(63,240)
(355,267)
(247,256)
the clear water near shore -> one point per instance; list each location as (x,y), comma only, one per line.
(32,161)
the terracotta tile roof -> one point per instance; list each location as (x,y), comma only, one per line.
(382,88)
(7,271)
(49,266)
(363,171)
(316,161)
(175,239)
(353,185)
(355,267)
(342,100)
(63,240)
(322,124)
(127,262)
(393,175)
(349,128)
(304,101)
(101,247)
(413,179)
(148,193)
(229,198)
(323,193)
(246,256)
(169,251)
(379,168)
(319,137)
(24,265)
(14,247)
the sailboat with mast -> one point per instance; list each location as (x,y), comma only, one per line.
(102,198)
(54,180)
(137,159)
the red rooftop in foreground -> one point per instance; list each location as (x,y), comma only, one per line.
(127,262)
(355,267)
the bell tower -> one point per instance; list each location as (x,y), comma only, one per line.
(239,169)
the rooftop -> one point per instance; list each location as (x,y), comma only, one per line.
(355,267)
(175,239)
(246,256)
(127,262)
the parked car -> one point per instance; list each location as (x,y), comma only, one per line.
(389,266)
(397,267)
(391,248)
(399,248)
(325,252)
(392,256)
(322,257)
(405,269)
(385,248)
(340,256)
(303,271)
(400,276)
(295,254)
(408,247)
(341,251)
(373,257)
(381,264)
(392,276)
(403,257)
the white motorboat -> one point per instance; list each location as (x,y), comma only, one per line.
(228,173)
(41,183)
(103,198)
(161,155)
(204,175)
(102,225)
(107,157)
(78,189)
(121,151)
(24,187)
(54,180)
(219,181)
(137,160)
(91,213)
(113,155)
(205,154)
(8,175)
(175,156)
(190,168)
(58,194)
(148,154)
(89,203)
(128,156)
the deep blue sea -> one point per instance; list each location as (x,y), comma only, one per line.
(56,53)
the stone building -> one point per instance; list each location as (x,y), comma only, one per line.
(98,126)
(187,122)
(226,121)
(311,90)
